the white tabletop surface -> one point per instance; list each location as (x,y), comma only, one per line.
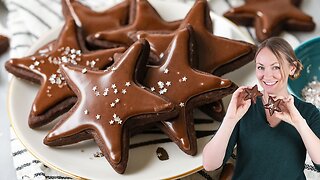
(7,171)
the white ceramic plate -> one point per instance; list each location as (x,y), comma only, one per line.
(78,160)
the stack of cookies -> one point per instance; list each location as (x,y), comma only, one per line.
(114,73)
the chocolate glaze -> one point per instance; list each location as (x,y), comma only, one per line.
(44,66)
(271,17)
(109,103)
(273,105)
(252,94)
(145,18)
(178,81)
(92,21)
(216,54)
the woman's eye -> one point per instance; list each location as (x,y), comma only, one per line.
(276,67)
(260,68)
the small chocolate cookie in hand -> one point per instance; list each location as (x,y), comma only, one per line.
(273,105)
(4,44)
(252,93)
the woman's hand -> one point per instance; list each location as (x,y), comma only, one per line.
(237,106)
(289,112)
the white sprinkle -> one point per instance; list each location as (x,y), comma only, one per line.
(181,104)
(98,116)
(166,71)
(184,79)
(128,84)
(114,115)
(164,90)
(36,63)
(64,59)
(120,121)
(94,88)
(86,112)
(123,91)
(160,84)
(115,91)
(31,66)
(97,93)
(113,68)
(73,51)
(117,100)
(73,56)
(168,83)
(152,89)
(111,122)
(92,63)
(117,119)
(58,81)
(84,70)
(113,86)
(33,58)
(112,104)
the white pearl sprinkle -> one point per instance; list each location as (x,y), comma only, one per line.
(86,112)
(166,71)
(98,116)
(84,70)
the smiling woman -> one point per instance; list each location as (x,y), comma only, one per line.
(268,143)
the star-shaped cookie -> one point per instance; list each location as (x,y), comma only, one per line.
(145,18)
(217,55)
(271,17)
(252,94)
(54,96)
(273,105)
(185,87)
(110,103)
(92,21)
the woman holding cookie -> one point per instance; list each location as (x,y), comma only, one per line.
(272,138)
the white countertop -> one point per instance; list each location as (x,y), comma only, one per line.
(6,164)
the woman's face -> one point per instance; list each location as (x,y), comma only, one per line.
(269,72)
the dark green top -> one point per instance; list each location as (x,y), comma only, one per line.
(268,153)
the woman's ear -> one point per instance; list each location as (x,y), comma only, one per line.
(293,68)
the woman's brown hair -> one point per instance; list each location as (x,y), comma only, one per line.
(282,49)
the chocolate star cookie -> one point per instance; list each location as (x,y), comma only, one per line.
(252,94)
(270,17)
(185,87)
(54,96)
(145,18)
(217,55)
(110,103)
(4,44)
(91,21)
(273,105)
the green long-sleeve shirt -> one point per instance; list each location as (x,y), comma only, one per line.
(268,153)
